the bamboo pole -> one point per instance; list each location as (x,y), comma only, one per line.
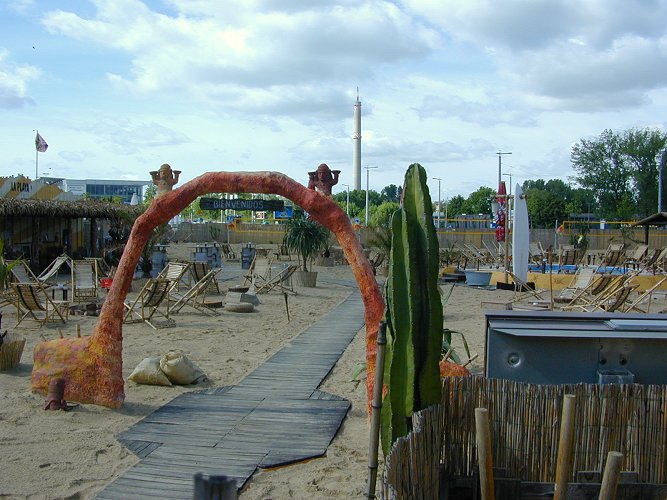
(565,441)
(612,472)
(484,455)
(376,406)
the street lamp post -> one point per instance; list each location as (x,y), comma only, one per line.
(439,202)
(347,204)
(500,167)
(367,177)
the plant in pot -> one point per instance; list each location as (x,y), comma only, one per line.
(306,238)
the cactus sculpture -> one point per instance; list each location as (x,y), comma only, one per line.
(413,313)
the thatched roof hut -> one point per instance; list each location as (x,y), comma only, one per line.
(68,209)
(41,229)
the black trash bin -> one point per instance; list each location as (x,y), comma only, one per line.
(247,256)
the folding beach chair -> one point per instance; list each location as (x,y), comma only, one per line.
(613,257)
(85,281)
(34,303)
(227,251)
(634,257)
(175,272)
(200,270)
(54,267)
(282,281)
(259,275)
(147,304)
(580,281)
(21,273)
(195,296)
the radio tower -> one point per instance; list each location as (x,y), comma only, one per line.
(356,141)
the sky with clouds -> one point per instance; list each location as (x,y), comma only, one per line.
(118,87)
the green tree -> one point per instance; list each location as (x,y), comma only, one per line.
(381,215)
(392,192)
(479,202)
(642,148)
(455,206)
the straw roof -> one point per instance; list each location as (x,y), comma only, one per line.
(74,209)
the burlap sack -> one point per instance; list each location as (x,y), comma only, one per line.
(148,372)
(180,369)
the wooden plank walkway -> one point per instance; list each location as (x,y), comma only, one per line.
(274,416)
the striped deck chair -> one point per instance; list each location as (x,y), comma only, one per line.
(33,303)
(147,304)
(85,282)
(175,272)
(282,281)
(580,281)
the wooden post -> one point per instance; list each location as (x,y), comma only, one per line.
(484,454)
(376,405)
(564,461)
(612,472)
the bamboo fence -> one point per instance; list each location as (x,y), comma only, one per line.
(525,427)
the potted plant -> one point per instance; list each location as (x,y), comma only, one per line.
(306,238)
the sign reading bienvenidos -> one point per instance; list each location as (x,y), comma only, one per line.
(254,205)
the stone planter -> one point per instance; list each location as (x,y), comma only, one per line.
(306,279)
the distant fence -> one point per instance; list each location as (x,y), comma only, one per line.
(598,239)
(524,419)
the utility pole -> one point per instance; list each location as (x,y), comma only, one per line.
(500,166)
(439,209)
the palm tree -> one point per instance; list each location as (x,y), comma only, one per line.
(306,238)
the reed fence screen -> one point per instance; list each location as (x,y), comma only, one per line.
(525,426)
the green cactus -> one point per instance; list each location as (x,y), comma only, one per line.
(414,311)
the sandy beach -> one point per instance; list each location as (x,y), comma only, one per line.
(75,454)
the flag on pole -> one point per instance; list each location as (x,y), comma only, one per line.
(40,143)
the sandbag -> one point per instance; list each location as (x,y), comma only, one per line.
(180,369)
(148,372)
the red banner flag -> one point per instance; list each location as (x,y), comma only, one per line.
(500,214)
(40,143)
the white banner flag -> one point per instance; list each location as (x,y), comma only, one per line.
(40,143)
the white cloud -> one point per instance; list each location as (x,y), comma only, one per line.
(257,59)
(14,82)
(585,55)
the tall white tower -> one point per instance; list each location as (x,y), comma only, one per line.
(356,147)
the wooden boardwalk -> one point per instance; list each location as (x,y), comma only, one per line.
(274,416)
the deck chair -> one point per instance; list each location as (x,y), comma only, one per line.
(102,269)
(599,291)
(616,299)
(175,272)
(195,296)
(227,251)
(568,255)
(200,270)
(580,281)
(257,275)
(282,281)
(643,297)
(147,304)
(376,259)
(613,257)
(34,303)
(21,273)
(54,267)
(523,291)
(85,283)
(634,257)
(536,252)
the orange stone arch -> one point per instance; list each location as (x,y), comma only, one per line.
(93,366)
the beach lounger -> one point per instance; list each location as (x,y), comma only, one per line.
(282,281)
(147,304)
(33,303)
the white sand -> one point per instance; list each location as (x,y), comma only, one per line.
(57,454)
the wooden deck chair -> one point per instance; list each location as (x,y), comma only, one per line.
(536,252)
(599,291)
(643,297)
(613,257)
(102,269)
(568,255)
(634,257)
(256,275)
(34,303)
(195,296)
(21,273)
(614,300)
(376,259)
(523,291)
(282,281)
(54,267)
(147,304)
(227,251)
(175,272)
(200,270)
(85,282)
(580,281)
